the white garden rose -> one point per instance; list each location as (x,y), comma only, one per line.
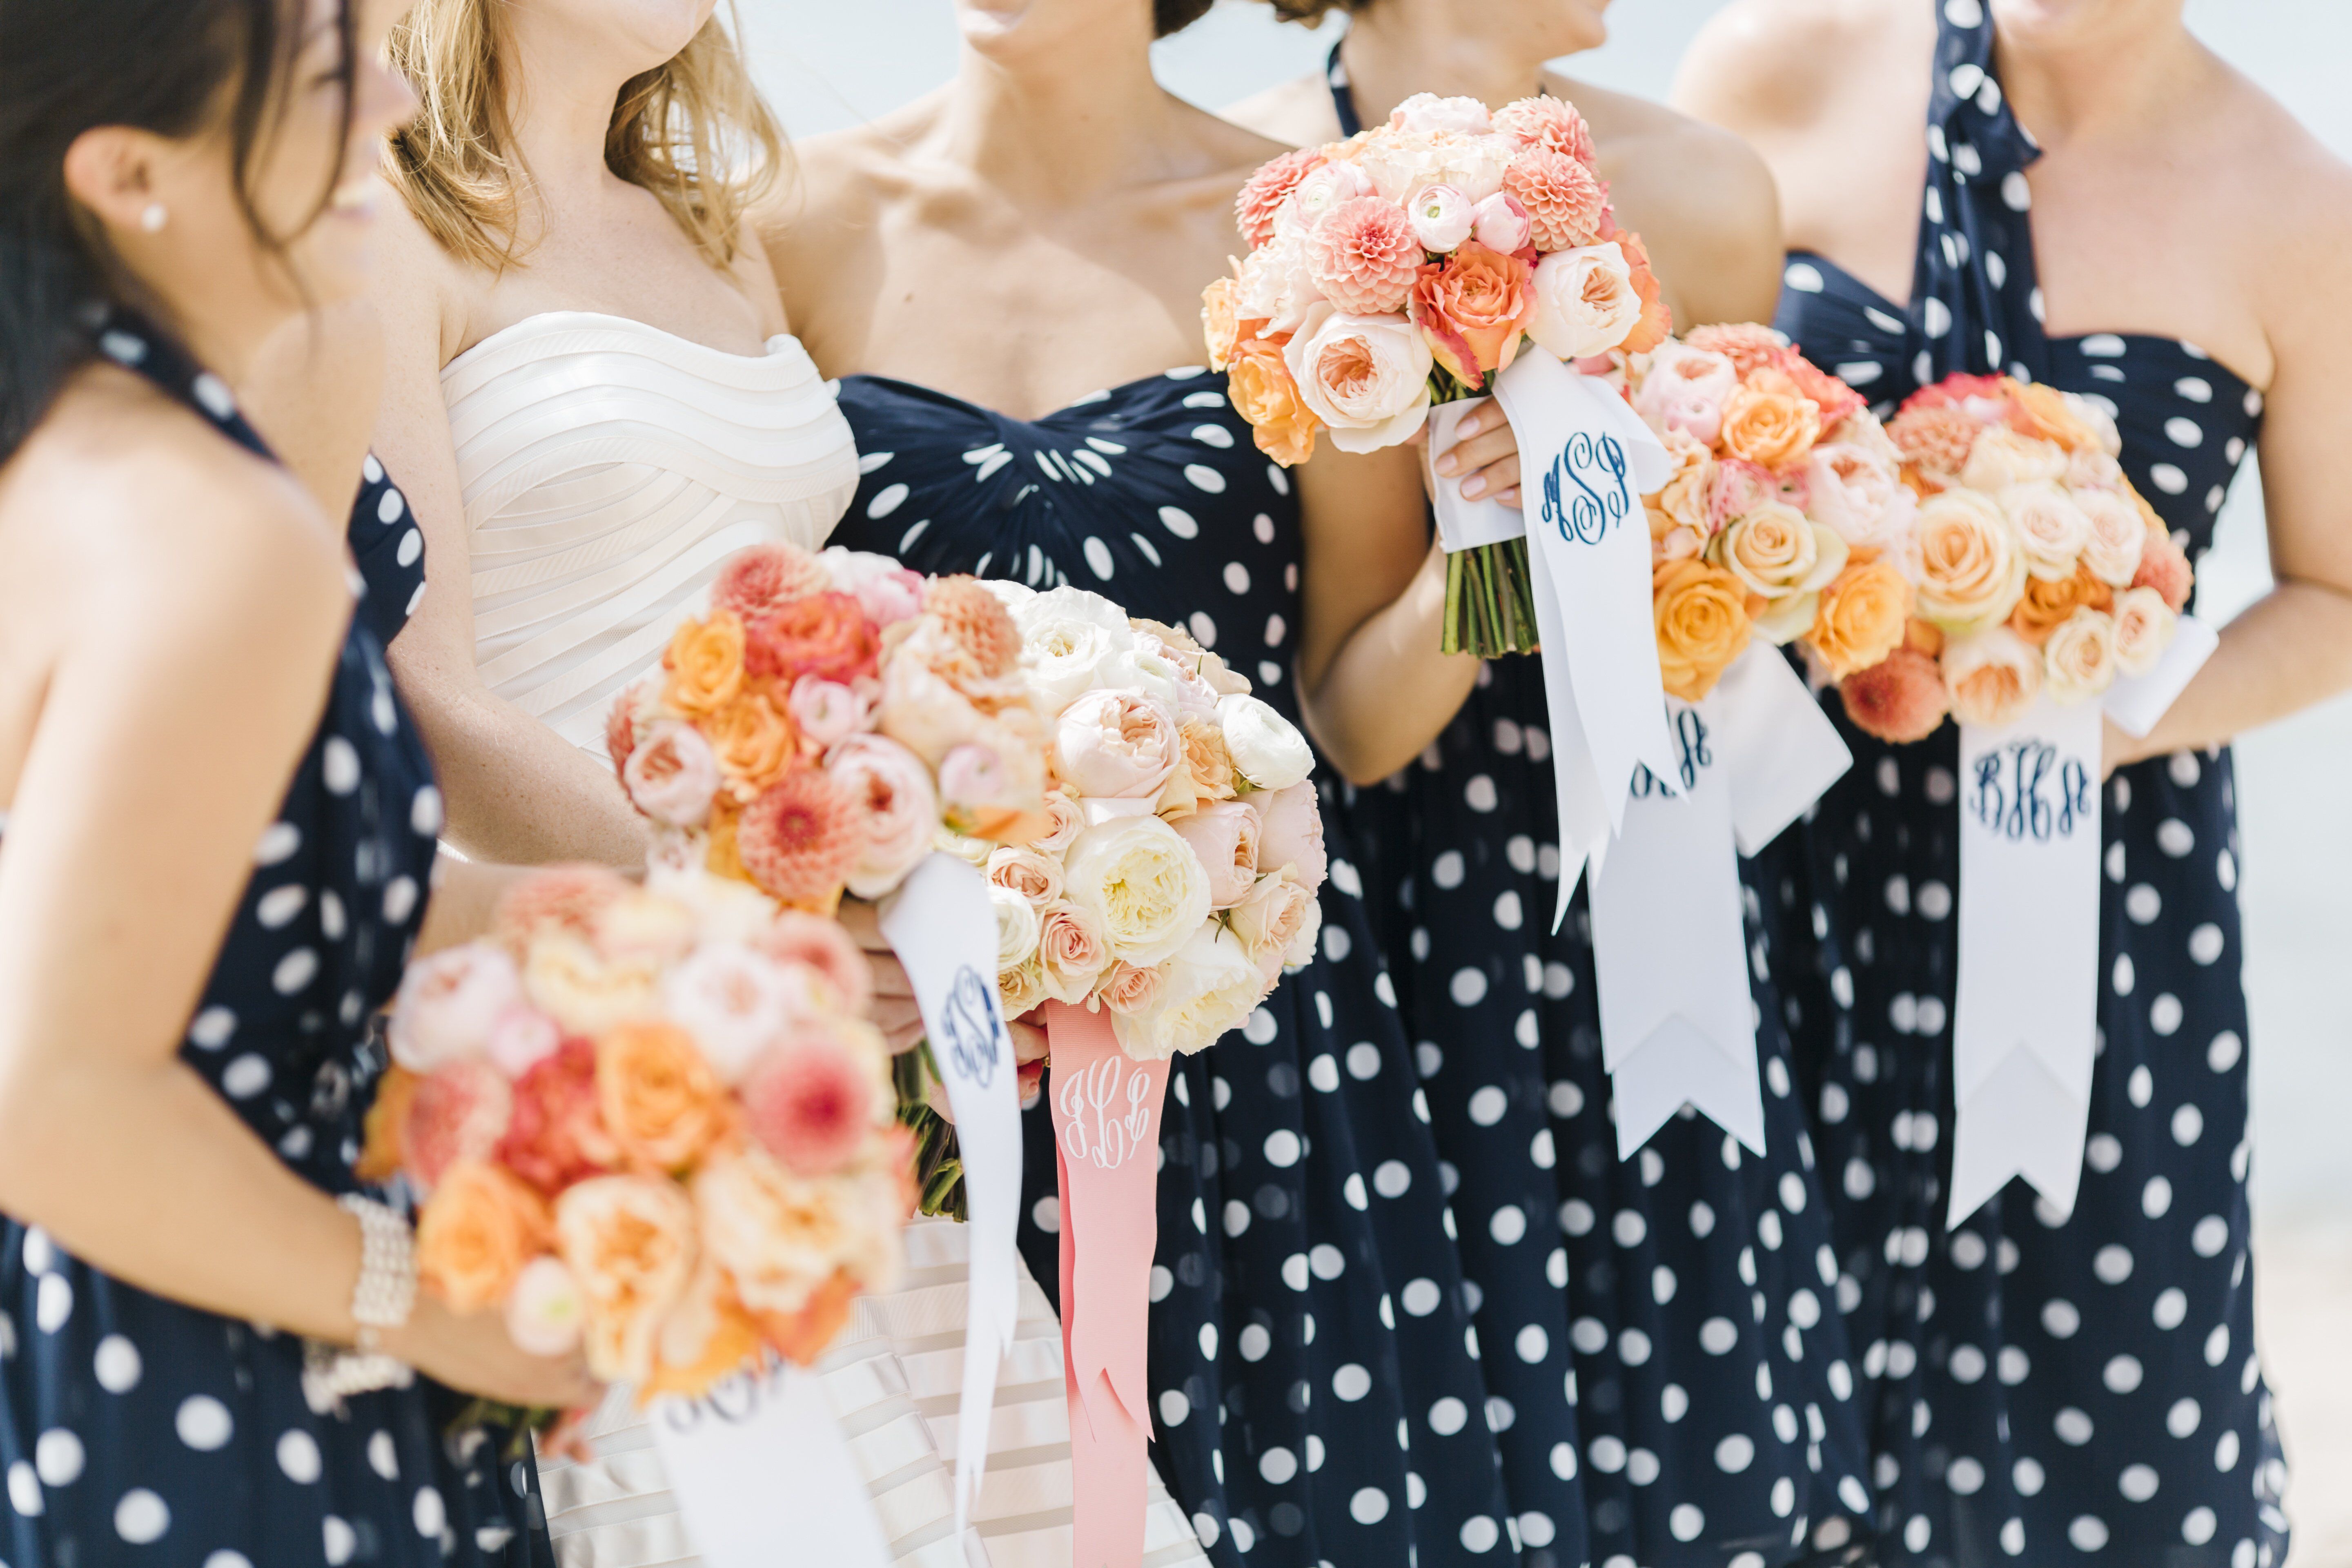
(1367,377)
(1267,748)
(2118,536)
(2003,457)
(1212,987)
(2051,529)
(1067,636)
(1143,885)
(1402,162)
(1016,927)
(2079,660)
(1425,111)
(2143,629)
(1585,301)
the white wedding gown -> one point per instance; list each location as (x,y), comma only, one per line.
(608,467)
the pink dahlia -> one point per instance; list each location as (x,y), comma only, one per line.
(801,838)
(1901,699)
(561,899)
(1267,190)
(1749,347)
(1936,440)
(809,1103)
(1549,124)
(1566,203)
(764,578)
(825,947)
(1364,255)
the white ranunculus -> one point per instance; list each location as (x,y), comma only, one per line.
(1016,928)
(1425,111)
(1146,888)
(1402,162)
(1212,987)
(1325,187)
(1585,301)
(1367,377)
(1267,748)
(1273,285)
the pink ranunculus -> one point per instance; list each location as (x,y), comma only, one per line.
(824,712)
(1225,836)
(1291,834)
(450,1002)
(734,1001)
(798,938)
(1118,745)
(673,774)
(810,1102)
(1501,222)
(1427,111)
(458,1112)
(1072,950)
(1364,255)
(898,808)
(1443,217)
(976,773)
(1127,990)
(523,1037)
(1858,492)
(1685,390)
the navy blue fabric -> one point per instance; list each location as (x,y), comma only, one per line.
(1315,1370)
(388,548)
(1682,1301)
(2045,1391)
(136,1430)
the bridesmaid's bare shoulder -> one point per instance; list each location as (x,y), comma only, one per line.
(1296,113)
(1776,65)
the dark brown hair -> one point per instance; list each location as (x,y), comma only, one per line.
(1175,16)
(1313,11)
(175,67)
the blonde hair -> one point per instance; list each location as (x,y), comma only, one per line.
(693,131)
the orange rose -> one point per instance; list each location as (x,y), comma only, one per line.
(1702,618)
(1259,384)
(387,1146)
(1769,422)
(1657,321)
(1861,617)
(754,741)
(705,1337)
(2048,606)
(1220,323)
(630,1243)
(1473,309)
(660,1100)
(1206,773)
(705,664)
(800,1337)
(477,1230)
(721,856)
(2045,413)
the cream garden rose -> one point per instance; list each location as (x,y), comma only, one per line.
(2143,629)
(2079,660)
(1993,676)
(1142,884)
(2052,529)
(2003,457)
(1366,377)
(2118,536)
(1585,301)
(1965,559)
(1212,986)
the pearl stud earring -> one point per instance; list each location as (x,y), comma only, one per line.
(153,217)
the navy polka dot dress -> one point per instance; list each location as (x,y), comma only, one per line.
(1322,1388)
(388,548)
(2046,1392)
(1664,1331)
(135,1430)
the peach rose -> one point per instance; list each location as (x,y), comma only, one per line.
(1365,377)
(1127,990)
(476,1233)
(1258,380)
(1277,923)
(1586,302)
(1072,950)
(2052,531)
(753,740)
(1114,744)
(1034,876)
(1226,837)
(2079,660)
(2047,605)
(1066,820)
(629,1241)
(572,982)
(1779,552)
(1701,613)
(704,665)
(707,1336)
(2002,458)
(660,1100)
(1899,699)
(1861,616)
(2143,629)
(2164,566)
(1474,309)
(1206,773)
(1221,324)
(1022,988)
(1966,561)
(556,1136)
(1993,676)
(1769,422)
(2118,538)
(779,1235)
(1682,503)
(2055,417)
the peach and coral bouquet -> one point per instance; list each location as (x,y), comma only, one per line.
(1179,876)
(831,715)
(653,1122)
(1404,266)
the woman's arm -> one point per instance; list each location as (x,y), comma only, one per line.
(517,790)
(169,722)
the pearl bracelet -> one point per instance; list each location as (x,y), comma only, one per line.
(386,1291)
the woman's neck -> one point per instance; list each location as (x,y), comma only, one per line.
(2111,75)
(1396,49)
(1061,120)
(559,108)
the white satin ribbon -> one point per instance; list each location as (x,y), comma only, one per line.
(1670,949)
(942,926)
(762,1474)
(2025,1010)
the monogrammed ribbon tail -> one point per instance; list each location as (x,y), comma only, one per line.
(2026,1006)
(944,929)
(1780,751)
(1105,1111)
(763,1474)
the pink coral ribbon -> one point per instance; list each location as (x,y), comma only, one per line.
(1105,1109)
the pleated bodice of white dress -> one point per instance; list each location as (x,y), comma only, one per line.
(607,469)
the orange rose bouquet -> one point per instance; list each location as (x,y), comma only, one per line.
(814,732)
(1405,267)
(653,1122)
(1784,513)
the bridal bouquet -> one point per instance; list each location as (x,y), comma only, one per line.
(653,1120)
(1404,266)
(1780,516)
(814,732)
(2028,566)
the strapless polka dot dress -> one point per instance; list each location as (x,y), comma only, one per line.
(135,1430)
(2040,1391)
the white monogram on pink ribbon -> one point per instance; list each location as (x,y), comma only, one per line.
(1096,1131)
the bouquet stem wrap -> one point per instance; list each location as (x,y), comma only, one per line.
(1105,1110)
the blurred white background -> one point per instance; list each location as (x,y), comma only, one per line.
(830,63)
